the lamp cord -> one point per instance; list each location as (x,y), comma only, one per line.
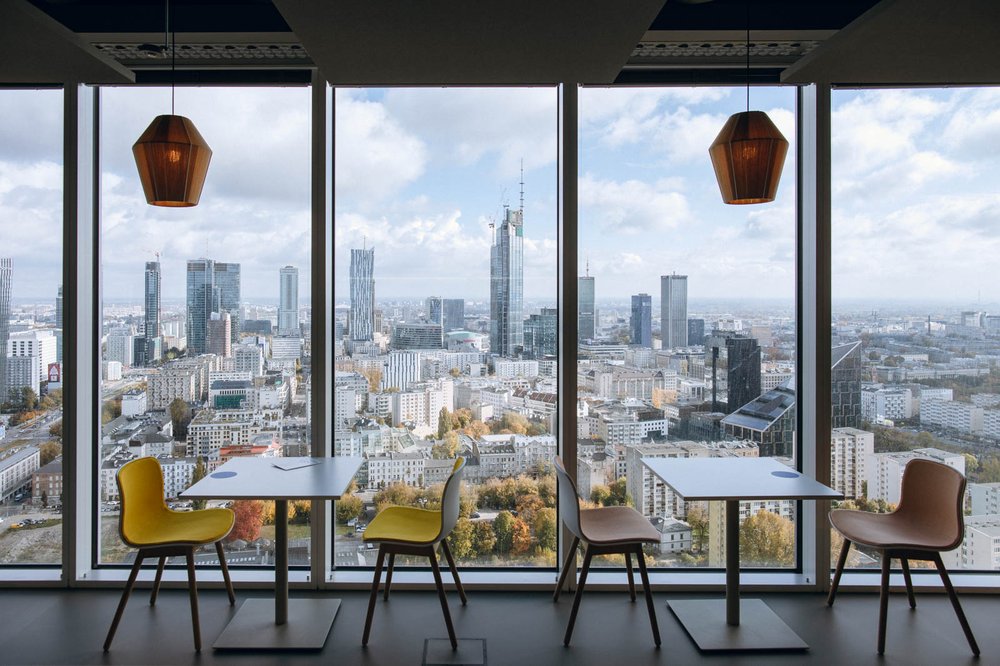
(747,7)
(173,54)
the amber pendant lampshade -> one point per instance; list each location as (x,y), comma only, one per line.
(748,156)
(172,158)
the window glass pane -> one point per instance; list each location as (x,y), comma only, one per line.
(686,316)
(31,494)
(205,311)
(914,240)
(445,292)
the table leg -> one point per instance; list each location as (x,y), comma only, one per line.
(733,563)
(280,561)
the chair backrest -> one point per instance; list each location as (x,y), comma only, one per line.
(140,488)
(451,499)
(931,496)
(569,502)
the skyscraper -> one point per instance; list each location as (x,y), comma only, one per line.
(696,331)
(6,274)
(585,306)
(227,279)
(454,314)
(507,285)
(673,310)
(641,323)
(362,323)
(219,339)
(435,310)
(152,314)
(202,301)
(743,371)
(540,334)
(288,305)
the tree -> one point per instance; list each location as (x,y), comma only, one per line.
(536,428)
(601,495)
(349,508)
(29,399)
(767,539)
(971,463)
(463,416)
(49,451)
(546,528)
(374,377)
(249,520)
(520,542)
(619,493)
(697,518)
(395,494)
(476,429)
(299,512)
(484,538)
(56,430)
(454,372)
(503,528)
(196,476)
(447,448)
(180,417)
(45,500)
(445,424)
(460,540)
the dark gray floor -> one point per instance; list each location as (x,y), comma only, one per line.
(521,629)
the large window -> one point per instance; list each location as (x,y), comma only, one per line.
(445,319)
(915,309)
(686,316)
(205,338)
(31,490)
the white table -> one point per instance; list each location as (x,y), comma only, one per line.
(301,623)
(731,480)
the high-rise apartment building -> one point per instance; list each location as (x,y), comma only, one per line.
(219,340)
(211,287)
(362,324)
(59,326)
(151,318)
(6,273)
(507,285)
(288,301)
(540,334)
(641,322)
(585,306)
(454,314)
(673,310)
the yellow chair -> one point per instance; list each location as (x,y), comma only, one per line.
(404,530)
(147,524)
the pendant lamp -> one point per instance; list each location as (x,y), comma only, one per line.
(749,153)
(171,155)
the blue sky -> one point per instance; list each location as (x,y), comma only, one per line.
(422,172)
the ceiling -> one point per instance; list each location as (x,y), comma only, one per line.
(502,42)
(250,40)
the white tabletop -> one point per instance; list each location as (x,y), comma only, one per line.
(243,478)
(736,479)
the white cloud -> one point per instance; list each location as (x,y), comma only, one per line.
(631,206)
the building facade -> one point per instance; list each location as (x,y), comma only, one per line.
(641,321)
(288,301)
(673,310)
(362,273)
(507,285)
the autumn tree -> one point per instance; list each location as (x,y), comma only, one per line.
(484,538)
(374,377)
(619,493)
(503,528)
(349,507)
(767,539)
(180,417)
(249,519)
(447,448)
(196,476)
(476,429)
(49,451)
(395,494)
(697,518)
(462,417)
(520,541)
(546,525)
(461,539)
(56,430)
(445,423)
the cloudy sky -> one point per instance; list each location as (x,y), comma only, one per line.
(421,174)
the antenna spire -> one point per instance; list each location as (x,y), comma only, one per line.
(522,185)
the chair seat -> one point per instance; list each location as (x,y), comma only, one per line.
(404,524)
(888,530)
(181,527)
(612,525)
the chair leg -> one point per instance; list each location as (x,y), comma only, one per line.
(905,563)
(225,573)
(570,557)
(954,602)
(839,571)
(124,600)
(444,599)
(454,570)
(156,581)
(193,590)
(388,576)
(649,594)
(579,594)
(374,594)
(883,601)
(631,577)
